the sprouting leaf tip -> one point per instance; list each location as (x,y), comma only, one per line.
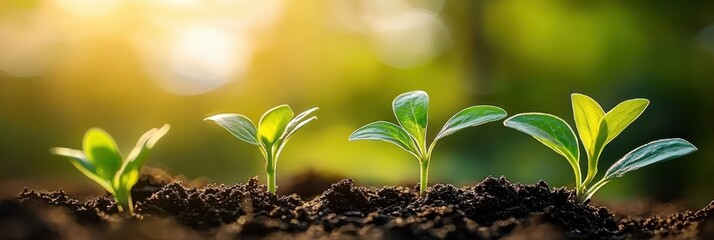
(216,117)
(688,143)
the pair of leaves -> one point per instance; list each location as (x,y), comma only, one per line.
(596,129)
(274,129)
(101,161)
(411,110)
(277,125)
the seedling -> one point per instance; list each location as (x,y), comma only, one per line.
(102,162)
(411,110)
(274,129)
(596,129)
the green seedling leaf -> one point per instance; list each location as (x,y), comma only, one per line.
(238,125)
(388,132)
(297,122)
(101,161)
(651,153)
(470,117)
(622,116)
(297,127)
(274,130)
(550,130)
(411,110)
(273,123)
(554,133)
(101,150)
(82,163)
(588,114)
(131,169)
(596,130)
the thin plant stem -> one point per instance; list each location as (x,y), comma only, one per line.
(270,171)
(589,193)
(124,201)
(424,176)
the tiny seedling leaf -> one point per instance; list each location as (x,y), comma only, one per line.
(100,159)
(101,150)
(651,153)
(131,169)
(549,130)
(411,110)
(297,123)
(617,119)
(238,125)
(273,123)
(80,161)
(274,130)
(588,114)
(297,127)
(470,117)
(388,132)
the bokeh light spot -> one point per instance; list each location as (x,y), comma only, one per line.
(194,60)
(88,8)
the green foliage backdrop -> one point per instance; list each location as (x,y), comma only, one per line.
(129,66)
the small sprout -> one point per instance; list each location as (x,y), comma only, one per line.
(274,129)
(101,161)
(411,110)
(596,129)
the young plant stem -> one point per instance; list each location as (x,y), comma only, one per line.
(124,200)
(592,168)
(424,176)
(579,187)
(270,170)
(590,191)
(424,168)
(272,187)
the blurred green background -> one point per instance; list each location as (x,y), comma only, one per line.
(128,66)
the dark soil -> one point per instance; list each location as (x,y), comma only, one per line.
(493,208)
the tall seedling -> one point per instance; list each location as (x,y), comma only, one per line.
(274,129)
(411,110)
(597,129)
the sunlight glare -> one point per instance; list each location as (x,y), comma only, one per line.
(195,60)
(404,34)
(88,8)
(410,38)
(27,45)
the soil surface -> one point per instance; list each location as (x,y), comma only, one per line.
(493,208)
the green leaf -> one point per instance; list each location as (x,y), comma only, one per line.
(411,110)
(238,125)
(297,123)
(588,114)
(84,165)
(101,150)
(297,127)
(651,153)
(273,124)
(131,169)
(617,119)
(388,132)
(549,130)
(470,117)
